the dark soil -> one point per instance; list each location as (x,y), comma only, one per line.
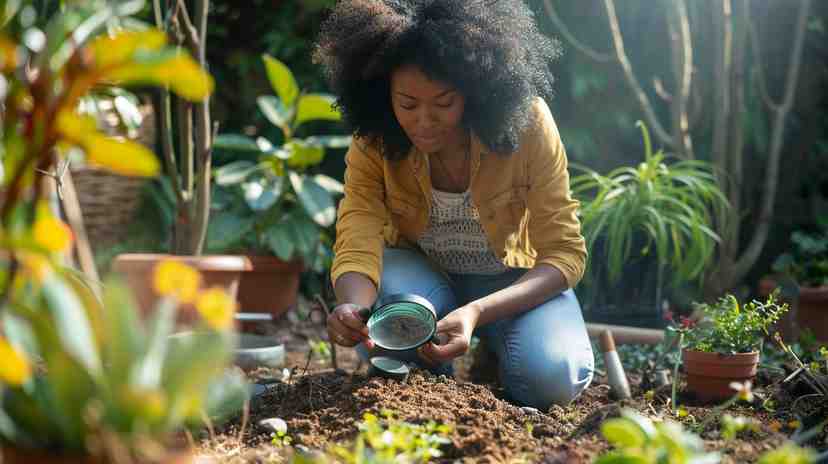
(322,406)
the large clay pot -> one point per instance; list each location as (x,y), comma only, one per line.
(14,455)
(269,286)
(812,311)
(709,375)
(216,270)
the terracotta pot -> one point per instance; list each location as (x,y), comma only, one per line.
(709,374)
(812,311)
(14,455)
(269,286)
(216,271)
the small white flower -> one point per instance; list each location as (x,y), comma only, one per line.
(743,390)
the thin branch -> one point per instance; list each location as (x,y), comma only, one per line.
(721,94)
(757,242)
(682,54)
(643,100)
(597,56)
(758,67)
(191,35)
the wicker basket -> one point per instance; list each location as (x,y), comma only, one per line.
(109,201)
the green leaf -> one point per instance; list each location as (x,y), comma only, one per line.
(280,240)
(316,201)
(147,373)
(235,172)
(623,433)
(329,141)
(227,229)
(615,457)
(281,80)
(316,106)
(305,235)
(125,334)
(226,396)
(275,112)
(263,193)
(303,155)
(236,142)
(330,184)
(72,325)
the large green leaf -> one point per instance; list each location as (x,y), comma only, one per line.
(261,194)
(147,372)
(281,79)
(316,106)
(125,333)
(226,396)
(330,184)
(623,433)
(303,155)
(277,113)
(236,142)
(280,241)
(227,229)
(72,325)
(305,234)
(316,201)
(235,172)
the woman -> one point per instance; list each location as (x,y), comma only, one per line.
(456,187)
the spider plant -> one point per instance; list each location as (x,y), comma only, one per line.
(661,210)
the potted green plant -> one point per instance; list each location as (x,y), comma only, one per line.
(723,345)
(187,154)
(807,266)
(652,223)
(271,205)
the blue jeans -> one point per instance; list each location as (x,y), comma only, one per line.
(544,354)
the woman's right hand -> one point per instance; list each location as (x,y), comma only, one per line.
(346,327)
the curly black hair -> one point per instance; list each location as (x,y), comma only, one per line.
(490,51)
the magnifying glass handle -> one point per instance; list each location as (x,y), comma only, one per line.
(436,339)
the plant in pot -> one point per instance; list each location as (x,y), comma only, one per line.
(806,267)
(269,204)
(187,153)
(650,226)
(723,346)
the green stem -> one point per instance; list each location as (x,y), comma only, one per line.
(675,372)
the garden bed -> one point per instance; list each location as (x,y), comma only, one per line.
(322,406)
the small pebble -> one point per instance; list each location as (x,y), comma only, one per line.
(274,424)
(529,410)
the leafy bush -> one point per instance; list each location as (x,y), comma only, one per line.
(807,264)
(274,204)
(728,327)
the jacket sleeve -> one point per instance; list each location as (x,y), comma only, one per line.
(554,228)
(361,215)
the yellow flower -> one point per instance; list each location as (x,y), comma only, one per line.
(216,307)
(743,390)
(52,234)
(151,404)
(177,280)
(35,266)
(14,368)
(794,424)
(682,412)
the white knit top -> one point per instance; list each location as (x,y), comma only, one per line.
(454,239)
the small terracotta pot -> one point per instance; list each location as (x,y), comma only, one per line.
(269,286)
(709,375)
(812,311)
(14,455)
(216,271)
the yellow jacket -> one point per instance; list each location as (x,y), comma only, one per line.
(524,201)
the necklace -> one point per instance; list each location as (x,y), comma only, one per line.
(454,181)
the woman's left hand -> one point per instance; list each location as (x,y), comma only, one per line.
(454,333)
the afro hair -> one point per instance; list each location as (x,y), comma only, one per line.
(490,51)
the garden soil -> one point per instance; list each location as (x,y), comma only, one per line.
(323,406)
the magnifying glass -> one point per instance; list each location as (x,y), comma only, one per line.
(399,322)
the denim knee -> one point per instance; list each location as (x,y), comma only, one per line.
(556,379)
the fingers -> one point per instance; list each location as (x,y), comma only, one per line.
(448,349)
(346,328)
